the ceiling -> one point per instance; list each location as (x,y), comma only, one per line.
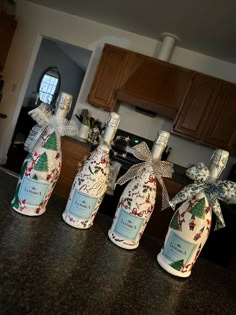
(205,26)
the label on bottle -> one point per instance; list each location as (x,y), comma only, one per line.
(128,225)
(176,248)
(82,205)
(33,191)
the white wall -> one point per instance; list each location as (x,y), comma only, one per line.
(36,21)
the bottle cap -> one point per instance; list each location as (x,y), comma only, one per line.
(113,120)
(218,162)
(162,138)
(64,101)
(111,127)
(160,144)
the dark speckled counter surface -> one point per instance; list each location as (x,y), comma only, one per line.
(48,267)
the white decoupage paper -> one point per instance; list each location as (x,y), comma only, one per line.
(42,166)
(91,181)
(187,234)
(134,210)
(191,223)
(138,199)
(88,190)
(39,174)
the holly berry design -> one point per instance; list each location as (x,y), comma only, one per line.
(137,200)
(91,181)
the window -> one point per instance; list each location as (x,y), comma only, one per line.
(48,87)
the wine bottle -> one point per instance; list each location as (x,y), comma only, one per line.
(137,201)
(91,181)
(191,223)
(41,167)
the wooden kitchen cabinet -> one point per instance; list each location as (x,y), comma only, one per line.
(72,153)
(108,78)
(221,131)
(194,113)
(154,85)
(7,29)
(208,114)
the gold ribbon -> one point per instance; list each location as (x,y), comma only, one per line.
(160,168)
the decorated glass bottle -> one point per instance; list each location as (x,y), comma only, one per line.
(90,183)
(137,201)
(191,223)
(41,168)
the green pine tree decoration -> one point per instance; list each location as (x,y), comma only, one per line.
(177,265)
(174,224)
(198,210)
(42,163)
(51,143)
(35,177)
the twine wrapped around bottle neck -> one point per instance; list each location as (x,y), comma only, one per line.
(224,190)
(160,169)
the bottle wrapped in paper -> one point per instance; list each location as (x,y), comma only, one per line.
(191,223)
(42,166)
(137,201)
(90,183)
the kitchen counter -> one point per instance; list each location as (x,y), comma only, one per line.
(48,267)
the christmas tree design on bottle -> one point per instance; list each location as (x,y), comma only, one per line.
(137,201)
(90,183)
(191,223)
(42,166)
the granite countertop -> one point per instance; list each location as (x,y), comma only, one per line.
(48,267)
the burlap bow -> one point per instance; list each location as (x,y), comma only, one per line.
(160,169)
(224,190)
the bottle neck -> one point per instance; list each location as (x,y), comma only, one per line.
(63,106)
(111,128)
(109,134)
(160,144)
(217,164)
(157,151)
(61,115)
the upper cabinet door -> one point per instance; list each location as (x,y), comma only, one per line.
(154,85)
(221,131)
(108,77)
(193,116)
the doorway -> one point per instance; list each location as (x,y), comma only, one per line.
(71,62)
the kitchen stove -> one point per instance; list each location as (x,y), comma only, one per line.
(121,143)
